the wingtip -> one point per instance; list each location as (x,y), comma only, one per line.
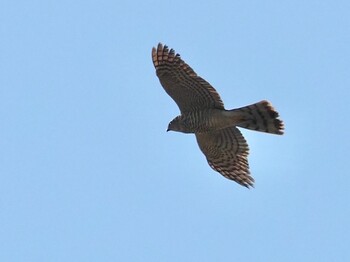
(162,48)
(154,56)
(248,185)
(158,47)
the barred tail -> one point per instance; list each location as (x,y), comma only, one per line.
(262,117)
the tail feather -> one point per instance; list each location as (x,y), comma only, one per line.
(262,117)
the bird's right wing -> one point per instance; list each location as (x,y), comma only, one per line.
(226,151)
(189,91)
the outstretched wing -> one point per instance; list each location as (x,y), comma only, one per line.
(189,91)
(226,151)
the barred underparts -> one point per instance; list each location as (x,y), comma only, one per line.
(203,113)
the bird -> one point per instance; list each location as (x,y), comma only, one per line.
(203,114)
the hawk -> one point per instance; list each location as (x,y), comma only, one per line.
(203,113)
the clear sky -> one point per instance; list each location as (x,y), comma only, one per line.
(88,172)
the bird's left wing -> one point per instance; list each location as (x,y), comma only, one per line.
(189,91)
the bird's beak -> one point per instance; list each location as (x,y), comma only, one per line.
(168,130)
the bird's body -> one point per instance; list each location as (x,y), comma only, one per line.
(205,120)
(203,113)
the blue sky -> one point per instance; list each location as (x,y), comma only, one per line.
(88,172)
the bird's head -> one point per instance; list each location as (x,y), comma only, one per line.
(177,125)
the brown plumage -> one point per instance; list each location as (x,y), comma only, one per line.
(203,113)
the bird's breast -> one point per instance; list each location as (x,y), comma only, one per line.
(206,120)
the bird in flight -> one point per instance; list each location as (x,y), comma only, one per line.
(203,113)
